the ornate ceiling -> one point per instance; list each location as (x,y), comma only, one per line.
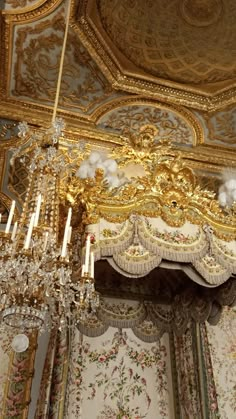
(164,69)
(169,41)
(181,50)
(128,64)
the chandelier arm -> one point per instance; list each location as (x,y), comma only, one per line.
(61,63)
(39,293)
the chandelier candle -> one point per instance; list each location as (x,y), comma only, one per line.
(83,271)
(37,211)
(29,233)
(92,265)
(66,234)
(87,252)
(13,234)
(13,204)
(69,235)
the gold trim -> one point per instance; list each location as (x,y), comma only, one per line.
(23,10)
(169,190)
(31,13)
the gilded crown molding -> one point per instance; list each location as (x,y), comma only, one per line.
(206,157)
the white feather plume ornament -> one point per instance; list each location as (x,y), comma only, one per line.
(98,160)
(227,191)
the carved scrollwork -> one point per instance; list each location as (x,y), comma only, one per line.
(169,189)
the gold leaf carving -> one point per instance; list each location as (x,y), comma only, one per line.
(170,190)
(158,39)
(169,125)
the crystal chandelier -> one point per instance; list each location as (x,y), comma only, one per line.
(37,289)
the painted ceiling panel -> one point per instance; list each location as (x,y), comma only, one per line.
(127,120)
(35,63)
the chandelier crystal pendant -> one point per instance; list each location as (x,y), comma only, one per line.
(37,289)
(36,285)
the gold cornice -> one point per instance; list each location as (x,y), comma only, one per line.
(38,114)
(213,158)
(111,71)
(121,80)
(204,157)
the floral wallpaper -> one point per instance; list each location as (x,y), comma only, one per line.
(222,341)
(117,376)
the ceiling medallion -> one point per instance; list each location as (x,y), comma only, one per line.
(201,12)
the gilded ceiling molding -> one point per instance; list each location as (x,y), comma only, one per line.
(38,114)
(15,141)
(31,13)
(24,6)
(92,34)
(210,158)
(78,10)
(204,157)
(184,113)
